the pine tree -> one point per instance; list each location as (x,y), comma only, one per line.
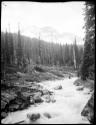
(71,56)
(11,47)
(2,55)
(66,55)
(89,46)
(19,51)
(61,55)
(7,48)
(74,54)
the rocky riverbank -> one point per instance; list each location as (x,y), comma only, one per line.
(19,89)
(61,101)
(19,98)
(88,110)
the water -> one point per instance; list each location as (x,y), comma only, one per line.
(66,110)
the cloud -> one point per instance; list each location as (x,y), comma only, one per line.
(46,18)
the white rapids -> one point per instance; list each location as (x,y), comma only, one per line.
(66,110)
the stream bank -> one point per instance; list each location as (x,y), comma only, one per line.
(68,103)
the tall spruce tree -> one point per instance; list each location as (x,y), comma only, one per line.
(89,46)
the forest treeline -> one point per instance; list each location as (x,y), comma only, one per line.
(20,50)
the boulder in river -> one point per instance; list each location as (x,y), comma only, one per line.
(80,88)
(77,83)
(53,101)
(48,99)
(58,87)
(47,115)
(45,92)
(32,101)
(33,117)
(37,98)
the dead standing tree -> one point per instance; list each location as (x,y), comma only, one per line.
(74,54)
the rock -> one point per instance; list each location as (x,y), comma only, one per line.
(80,88)
(91,90)
(77,83)
(45,92)
(32,101)
(23,106)
(53,101)
(47,115)
(88,110)
(38,93)
(27,95)
(69,76)
(7,97)
(33,117)
(19,103)
(37,98)
(34,88)
(3,114)
(39,69)
(3,104)
(51,93)
(87,93)
(45,96)
(12,108)
(58,87)
(48,100)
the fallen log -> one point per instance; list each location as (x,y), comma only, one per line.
(19,122)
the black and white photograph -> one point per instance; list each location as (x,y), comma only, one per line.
(47,62)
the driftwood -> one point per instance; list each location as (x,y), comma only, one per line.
(19,122)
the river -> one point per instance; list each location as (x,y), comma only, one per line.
(66,110)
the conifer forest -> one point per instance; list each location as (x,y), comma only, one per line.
(47,79)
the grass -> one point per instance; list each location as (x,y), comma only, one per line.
(35,73)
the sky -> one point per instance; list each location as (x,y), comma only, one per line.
(50,21)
